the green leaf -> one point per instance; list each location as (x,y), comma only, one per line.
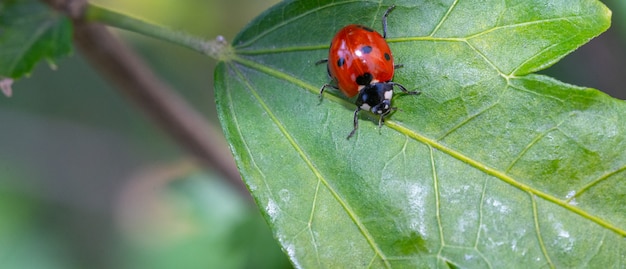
(491,166)
(193,220)
(27,238)
(31,32)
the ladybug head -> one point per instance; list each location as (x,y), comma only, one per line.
(376,97)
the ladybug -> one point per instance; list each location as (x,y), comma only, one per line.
(360,63)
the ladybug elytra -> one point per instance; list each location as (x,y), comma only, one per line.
(360,63)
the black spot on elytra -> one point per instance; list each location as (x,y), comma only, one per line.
(387,56)
(365,28)
(340,62)
(366,49)
(364,79)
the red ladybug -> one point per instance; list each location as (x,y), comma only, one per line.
(360,62)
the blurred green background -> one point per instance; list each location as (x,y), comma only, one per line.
(88,181)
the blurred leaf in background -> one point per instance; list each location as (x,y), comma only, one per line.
(25,241)
(34,33)
(194,221)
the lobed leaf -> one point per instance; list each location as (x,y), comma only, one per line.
(29,33)
(491,166)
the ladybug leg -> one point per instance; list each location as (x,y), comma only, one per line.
(385,20)
(381,119)
(396,66)
(325,85)
(324,88)
(356,122)
(322,61)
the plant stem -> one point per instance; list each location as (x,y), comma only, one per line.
(214,49)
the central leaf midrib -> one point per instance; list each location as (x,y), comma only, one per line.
(502,176)
(355,218)
(434,143)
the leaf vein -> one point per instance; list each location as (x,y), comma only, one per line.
(375,17)
(27,46)
(244,141)
(503,176)
(596,182)
(480,223)
(526,23)
(437,202)
(443,19)
(535,93)
(346,207)
(288,22)
(487,60)
(247,149)
(435,144)
(542,245)
(530,145)
(534,56)
(466,120)
(310,223)
(597,248)
(480,214)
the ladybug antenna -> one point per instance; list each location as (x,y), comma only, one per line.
(385,20)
